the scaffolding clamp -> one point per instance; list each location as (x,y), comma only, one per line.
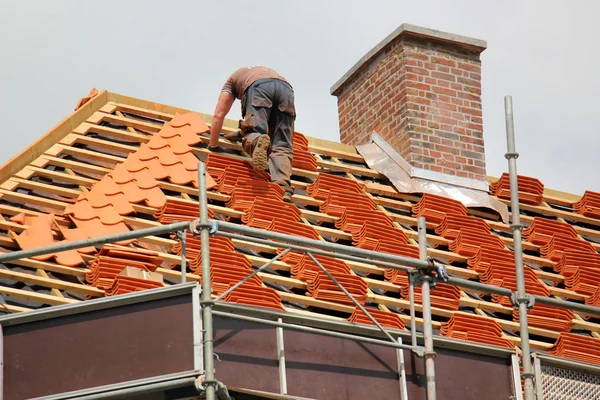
(434,272)
(510,155)
(516,300)
(220,389)
(419,351)
(196,227)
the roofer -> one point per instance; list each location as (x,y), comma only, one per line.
(267,127)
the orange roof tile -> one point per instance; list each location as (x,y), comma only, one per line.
(531,190)
(320,188)
(589,205)
(542,230)
(452,224)
(39,234)
(577,347)
(435,208)
(476,328)
(386,319)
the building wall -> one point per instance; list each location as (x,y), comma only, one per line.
(423,97)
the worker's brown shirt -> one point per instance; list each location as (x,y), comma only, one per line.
(241,79)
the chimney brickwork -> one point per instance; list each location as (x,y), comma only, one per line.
(420,90)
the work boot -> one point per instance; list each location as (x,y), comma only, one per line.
(287,197)
(260,155)
(234,136)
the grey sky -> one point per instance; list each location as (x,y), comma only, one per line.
(543,53)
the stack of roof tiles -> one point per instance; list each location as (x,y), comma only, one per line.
(384,318)
(104,270)
(435,208)
(323,288)
(577,347)
(178,210)
(475,328)
(305,269)
(371,229)
(319,285)
(531,190)
(548,317)
(302,158)
(588,205)
(227,267)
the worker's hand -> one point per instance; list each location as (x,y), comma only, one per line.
(216,149)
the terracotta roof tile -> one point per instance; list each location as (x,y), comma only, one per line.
(385,318)
(294,228)
(577,347)
(452,224)
(227,170)
(249,294)
(548,317)
(338,200)
(541,230)
(435,208)
(270,210)
(108,193)
(177,210)
(475,328)
(302,158)
(352,220)
(320,188)
(153,195)
(127,184)
(323,288)
(594,298)
(111,261)
(245,192)
(487,253)
(192,120)
(304,269)
(531,190)
(96,221)
(468,241)
(588,205)
(128,284)
(559,244)
(382,232)
(39,234)
(75,234)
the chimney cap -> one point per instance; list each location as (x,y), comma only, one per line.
(464,42)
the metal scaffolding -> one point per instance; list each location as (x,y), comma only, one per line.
(425,271)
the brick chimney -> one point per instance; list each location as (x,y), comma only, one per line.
(420,90)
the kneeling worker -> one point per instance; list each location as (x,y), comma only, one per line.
(267,127)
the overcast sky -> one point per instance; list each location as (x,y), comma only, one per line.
(543,53)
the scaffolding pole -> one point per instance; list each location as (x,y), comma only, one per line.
(522,298)
(426,303)
(210,384)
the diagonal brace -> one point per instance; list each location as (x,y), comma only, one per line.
(347,293)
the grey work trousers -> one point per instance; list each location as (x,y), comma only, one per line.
(268,108)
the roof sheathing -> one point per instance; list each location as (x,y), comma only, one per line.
(48,283)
